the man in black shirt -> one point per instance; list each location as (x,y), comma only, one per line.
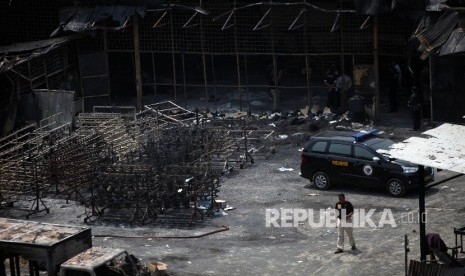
(346,209)
(415,106)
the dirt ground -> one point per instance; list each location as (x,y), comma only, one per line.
(249,247)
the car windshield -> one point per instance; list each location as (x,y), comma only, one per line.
(381,146)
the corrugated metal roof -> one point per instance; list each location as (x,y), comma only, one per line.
(30,232)
(84,19)
(34,45)
(432,31)
(22,52)
(372,7)
(442,147)
(455,43)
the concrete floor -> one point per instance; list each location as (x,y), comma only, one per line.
(249,247)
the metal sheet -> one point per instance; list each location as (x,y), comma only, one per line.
(93,257)
(29,232)
(82,19)
(455,43)
(433,31)
(442,147)
(23,52)
(34,45)
(47,244)
(372,7)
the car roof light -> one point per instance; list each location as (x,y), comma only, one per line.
(361,135)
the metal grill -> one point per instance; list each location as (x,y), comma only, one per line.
(28,20)
(231,48)
(164,163)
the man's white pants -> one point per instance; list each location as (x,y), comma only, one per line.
(340,233)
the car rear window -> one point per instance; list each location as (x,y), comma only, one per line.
(319,146)
(339,149)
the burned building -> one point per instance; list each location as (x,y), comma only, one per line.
(112,53)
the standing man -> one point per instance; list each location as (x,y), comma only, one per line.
(344,224)
(330,83)
(415,106)
(274,81)
(395,81)
(344,88)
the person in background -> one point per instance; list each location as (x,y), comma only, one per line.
(395,80)
(344,88)
(274,80)
(414,104)
(435,245)
(330,83)
(356,105)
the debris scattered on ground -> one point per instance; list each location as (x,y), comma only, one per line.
(305,110)
(219,213)
(282,169)
(156,268)
(228,208)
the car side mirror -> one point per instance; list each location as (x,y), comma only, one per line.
(376,158)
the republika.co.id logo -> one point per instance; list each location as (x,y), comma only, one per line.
(329,218)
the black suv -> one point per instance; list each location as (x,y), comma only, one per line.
(355,157)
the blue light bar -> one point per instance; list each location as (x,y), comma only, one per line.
(361,135)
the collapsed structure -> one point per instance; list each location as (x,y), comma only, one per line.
(161,163)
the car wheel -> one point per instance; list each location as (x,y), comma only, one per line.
(395,187)
(321,181)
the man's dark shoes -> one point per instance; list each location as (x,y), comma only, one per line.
(338,251)
(354,248)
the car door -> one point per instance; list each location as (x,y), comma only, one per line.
(339,154)
(362,169)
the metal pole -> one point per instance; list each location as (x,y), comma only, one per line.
(137,61)
(246,82)
(214,75)
(105,49)
(238,62)
(154,78)
(202,44)
(376,64)
(173,58)
(343,92)
(184,78)
(46,75)
(406,250)
(421,210)
(238,68)
(275,67)
(430,60)
(307,67)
